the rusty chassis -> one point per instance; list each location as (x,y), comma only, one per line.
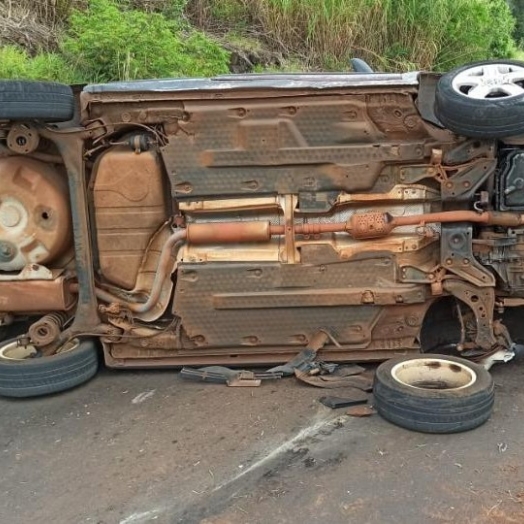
(232,220)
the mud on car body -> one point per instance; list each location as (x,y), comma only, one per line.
(230,220)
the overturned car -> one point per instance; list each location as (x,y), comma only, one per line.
(230,220)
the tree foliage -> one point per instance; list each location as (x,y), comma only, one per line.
(517,9)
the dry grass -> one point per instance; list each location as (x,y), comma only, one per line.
(50,12)
(150,6)
(389,34)
(34,24)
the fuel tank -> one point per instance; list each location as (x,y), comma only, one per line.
(130,206)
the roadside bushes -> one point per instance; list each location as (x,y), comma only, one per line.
(517,8)
(104,40)
(110,40)
(17,63)
(390,34)
(107,43)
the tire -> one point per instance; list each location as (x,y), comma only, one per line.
(33,377)
(497,114)
(405,393)
(47,101)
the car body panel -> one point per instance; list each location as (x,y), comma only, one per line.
(266,180)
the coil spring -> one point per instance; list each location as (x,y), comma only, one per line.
(47,329)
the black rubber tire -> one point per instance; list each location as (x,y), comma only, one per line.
(43,376)
(433,410)
(27,100)
(479,118)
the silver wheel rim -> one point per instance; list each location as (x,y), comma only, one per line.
(434,373)
(490,81)
(15,352)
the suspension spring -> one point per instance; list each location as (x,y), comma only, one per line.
(46,330)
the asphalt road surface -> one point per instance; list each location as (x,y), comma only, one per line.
(139,447)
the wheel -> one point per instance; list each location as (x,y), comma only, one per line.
(433,393)
(25,100)
(24,373)
(483,99)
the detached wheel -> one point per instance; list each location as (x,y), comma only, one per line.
(24,373)
(483,99)
(25,100)
(433,393)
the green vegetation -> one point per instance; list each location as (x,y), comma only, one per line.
(16,63)
(389,34)
(104,40)
(105,43)
(517,9)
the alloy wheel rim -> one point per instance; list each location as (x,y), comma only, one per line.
(490,81)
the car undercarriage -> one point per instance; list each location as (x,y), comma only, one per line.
(230,220)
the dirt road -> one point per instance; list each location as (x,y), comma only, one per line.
(140,447)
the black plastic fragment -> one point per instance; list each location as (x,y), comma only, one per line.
(357,397)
